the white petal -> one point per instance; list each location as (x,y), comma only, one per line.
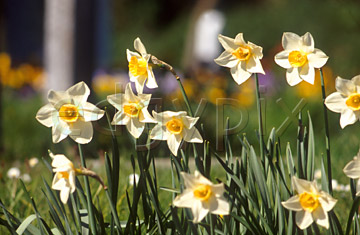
(130,54)
(347,117)
(239,39)
(256,50)
(317,59)
(356,81)
(218,189)
(60,131)
(321,217)
(358,188)
(58,98)
(344,86)
(226,59)
(221,207)
(139,46)
(190,122)
(352,169)
(192,136)
(159,133)
(81,132)
(174,142)
(303,219)
(91,112)
(120,118)
(336,102)
(200,179)
(64,194)
(227,43)
(293,203)
(307,73)
(199,212)
(59,183)
(135,127)
(72,181)
(145,117)
(116,100)
(129,94)
(293,77)
(186,199)
(254,66)
(61,160)
(189,180)
(327,202)
(45,115)
(308,42)
(144,99)
(282,59)
(139,84)
(151,81)
(291,41)
(239,73)
(79,93)
(301,185)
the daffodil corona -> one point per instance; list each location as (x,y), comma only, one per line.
(175,127)
(300,58)
(202,196)
(68,113)
(242,58)
(346,100)
(310,204)
(139,68)
(132,110)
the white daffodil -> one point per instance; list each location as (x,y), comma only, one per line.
(242,58)
(132,110)
(13,173)
(202,196)
(33,162)
(352,170)
(68,113)
(310,204)
(139,68)
(300,58)
(64,178)
(174,127)
(346,100)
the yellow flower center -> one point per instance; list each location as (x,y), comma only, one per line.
(243,53)
(309,201)
(175,126)
(353,102)
(202,192)
(132,109)
(63,175)
(297,58)
(137,67)
(68,113)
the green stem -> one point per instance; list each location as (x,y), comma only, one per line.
(327,135)
(259,118)
(185,98)
(88,195)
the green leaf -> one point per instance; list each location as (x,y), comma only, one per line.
(23,226)
(310,152)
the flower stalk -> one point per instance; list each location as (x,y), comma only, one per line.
(261,135)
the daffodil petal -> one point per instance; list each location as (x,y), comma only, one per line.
(253,65)
(58,98)
(347,117)
(227,43)
(321,217)
(45,115)
(344,86)
(145,116)
(190,122)
(317,58)
(72,181)
(200,179)
(256,50)
(129,94)
(159,133)
(186,199)
(120,118)
(135,127)
(303,219)
(226,59)
(307,42)
(239,73)
(218,189)
(151,81)
(91,112)
(199,212)
(139,46)
(130,54)
(300,185)
(192,135)
(60,131)
(327,202)
(356,81)
(79,93)
(116,100)
(189,180)
(144,99)
(293,203)
(282,59)
(358,188)
(64,194)
(291,41)
(219,206)
(336,102)
(307,73)
(81,132)
(60,160)
(239,39)
(293,77)
(58,183)
(174,142)
(352,169)
(139,84)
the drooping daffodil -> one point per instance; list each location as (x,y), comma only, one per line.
(202,196)
(242,58)
(310,204)
(175,127)
(299,58)
(346,100)
(69,113)
(352,170)
(139,68)
(132,110)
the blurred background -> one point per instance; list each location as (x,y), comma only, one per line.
(52,44)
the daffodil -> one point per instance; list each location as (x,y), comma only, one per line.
(346,100)
(352,170)
(139,68)
(64,178)
(300,58)
(202,196)
(68,113)
(310,204)
(13,173)
(175,127)
(132,110)
(242,58)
